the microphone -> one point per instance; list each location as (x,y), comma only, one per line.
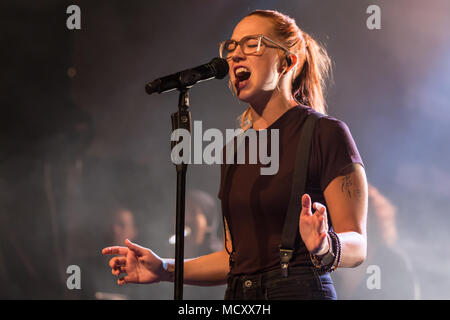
(216,68)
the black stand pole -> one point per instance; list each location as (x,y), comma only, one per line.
(180,120)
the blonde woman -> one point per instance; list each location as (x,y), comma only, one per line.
(280,71)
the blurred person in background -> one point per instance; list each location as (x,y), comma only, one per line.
(122,226)
(202,220)
(202,237)
(384,259)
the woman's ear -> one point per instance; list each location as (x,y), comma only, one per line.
(291,60)
(288,62)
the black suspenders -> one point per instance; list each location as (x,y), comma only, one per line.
(290,229)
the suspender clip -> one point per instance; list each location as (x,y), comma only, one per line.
(285,257)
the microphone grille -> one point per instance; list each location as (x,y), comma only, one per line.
(220,66)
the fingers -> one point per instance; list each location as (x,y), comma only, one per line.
(121,281)
(319,207)
(322,227)
(115,250)
(306,205)
(118,270)
(321,216)
(137,249)
(117,261)
(118,265)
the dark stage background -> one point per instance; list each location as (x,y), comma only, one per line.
(80,138)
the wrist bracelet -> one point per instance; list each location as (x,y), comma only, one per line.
(335,248)
(338,250)
(317,260)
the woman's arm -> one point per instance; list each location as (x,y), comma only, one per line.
(208,270)
(346,198)
(142,265)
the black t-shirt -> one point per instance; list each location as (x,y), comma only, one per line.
(255,205)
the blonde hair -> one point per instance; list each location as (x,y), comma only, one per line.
(313,68)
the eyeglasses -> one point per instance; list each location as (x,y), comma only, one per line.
(250,45)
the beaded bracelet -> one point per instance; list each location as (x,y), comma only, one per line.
(337,252)
(335,247)
(316,261)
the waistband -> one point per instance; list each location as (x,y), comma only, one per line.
(261,277)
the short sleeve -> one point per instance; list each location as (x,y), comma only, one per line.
(337,149)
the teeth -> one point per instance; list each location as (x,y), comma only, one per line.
(240,70)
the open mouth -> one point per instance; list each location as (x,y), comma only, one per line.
(242,75)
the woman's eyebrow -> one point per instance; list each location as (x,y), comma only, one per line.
(246,36)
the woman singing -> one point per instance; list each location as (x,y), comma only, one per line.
(280,71)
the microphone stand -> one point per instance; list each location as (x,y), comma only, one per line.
(217,68)
(180,120)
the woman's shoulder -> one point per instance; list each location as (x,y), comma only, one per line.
(334,149)
(333,138)
(331,126)
(327,125)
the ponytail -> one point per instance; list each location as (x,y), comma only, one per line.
(309,86)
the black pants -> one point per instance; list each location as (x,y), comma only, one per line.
(303,283)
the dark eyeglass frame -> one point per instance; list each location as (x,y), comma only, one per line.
(258,37)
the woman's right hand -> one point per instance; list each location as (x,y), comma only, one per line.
(140,264)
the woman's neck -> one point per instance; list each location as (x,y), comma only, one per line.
(265,113)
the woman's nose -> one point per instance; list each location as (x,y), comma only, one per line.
(238,54)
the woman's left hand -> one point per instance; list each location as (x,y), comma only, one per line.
(314,227)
